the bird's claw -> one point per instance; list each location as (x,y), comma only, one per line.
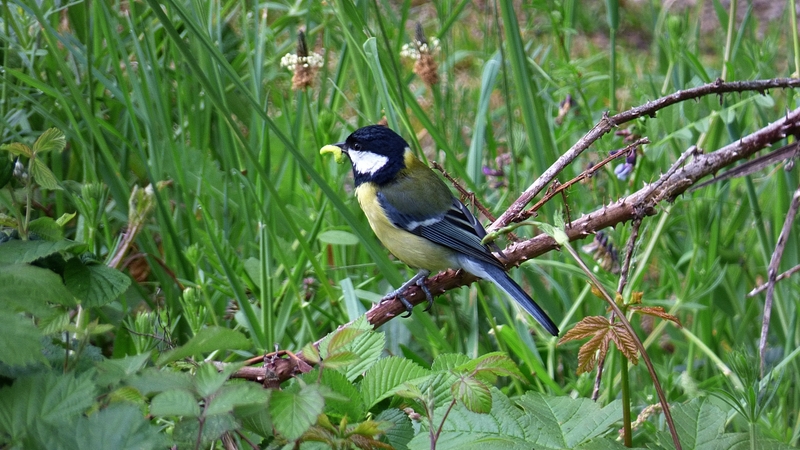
(428,296)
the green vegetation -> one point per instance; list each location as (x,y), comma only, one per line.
(165,216)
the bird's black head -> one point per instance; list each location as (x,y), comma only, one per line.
(376,153)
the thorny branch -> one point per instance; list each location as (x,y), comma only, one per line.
(636,205)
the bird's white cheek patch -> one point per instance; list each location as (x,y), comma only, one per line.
(367,162)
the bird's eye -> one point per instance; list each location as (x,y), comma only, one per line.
(357,146)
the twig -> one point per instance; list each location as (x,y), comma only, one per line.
(586,174)
(772,272)
(787,274)
(464,193)
(642,351)
(608,123)
(789,151)
(620,211)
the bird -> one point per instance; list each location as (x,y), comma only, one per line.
(418,219)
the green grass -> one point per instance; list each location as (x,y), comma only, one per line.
(190,96)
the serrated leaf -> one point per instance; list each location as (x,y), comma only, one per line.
(127,394)
(94,284)
(496,364)
(340,360)
(656,311)
(51,140)
(186,431)
(111,371)
(43,399)
(208,380)
(153,380)
(29,288)
(699,424)
(401,431)
(44,176)
(366,343)
(18,252)
(46,228)
(387,376)
(601,331)
(340,339)
(568,422)
(294,412)
(347,401)
(237,394)
(178,402)
(475,395)
(205,341)
(338,237)
(16,148)
(625,342)
(591,352)
(130,431)
(311,354)
(447,361)
(20,341)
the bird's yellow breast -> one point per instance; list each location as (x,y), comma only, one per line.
(413,250)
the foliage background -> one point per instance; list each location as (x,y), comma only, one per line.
(248,229)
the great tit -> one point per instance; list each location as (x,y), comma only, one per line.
(417,218)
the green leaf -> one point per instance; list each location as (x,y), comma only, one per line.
(387,376)
(6,170)
(20,341)
(111,371)
(65,218)
(153,380)
(765,101)
(569,421)
(94,284)
(16,252)
(235,395)
(347,401)
(43,399)
(699,424)
(15,148)
(475,395)
(187,430)
(207,340)
(402,430)
(51,140)
(46,228)
(358,339)
(120,426)
(208,380)
(29,288)
(177,402)
(447,361)
(44,176)
(338,237)
(490,366)
(294,412)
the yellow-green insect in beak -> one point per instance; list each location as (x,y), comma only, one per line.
(338,154)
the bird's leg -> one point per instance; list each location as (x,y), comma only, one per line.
(419,280)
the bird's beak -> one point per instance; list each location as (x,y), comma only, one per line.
(339,151)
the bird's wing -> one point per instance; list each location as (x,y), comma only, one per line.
(442,220)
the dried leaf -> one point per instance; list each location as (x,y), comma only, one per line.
(636,298)
(589,353)
(656,311)
(625,342)
(601,332)
(587,327)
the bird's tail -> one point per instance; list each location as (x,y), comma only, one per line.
(499,277)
